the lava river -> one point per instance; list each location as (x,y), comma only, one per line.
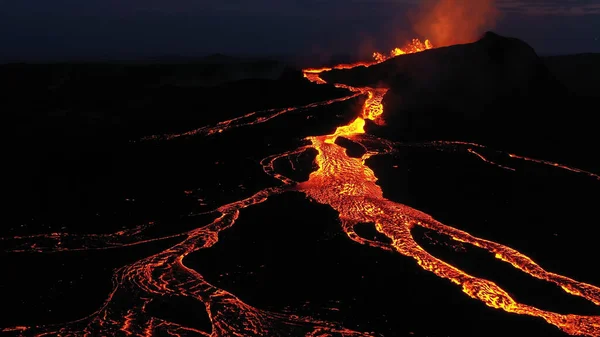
(342,182)
(349,187)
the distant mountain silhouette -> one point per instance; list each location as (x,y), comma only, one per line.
(220,58)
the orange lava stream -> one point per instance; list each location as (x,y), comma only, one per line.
(414,46)
(344,183)
(349,186)
(251,118)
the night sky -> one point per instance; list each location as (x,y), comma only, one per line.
(58,30)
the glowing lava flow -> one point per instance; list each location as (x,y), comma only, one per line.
(414,46)
(347,185)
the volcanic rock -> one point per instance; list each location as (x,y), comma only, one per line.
(353,149)
(487,91)
(495,91)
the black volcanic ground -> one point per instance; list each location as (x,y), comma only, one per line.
(75,164)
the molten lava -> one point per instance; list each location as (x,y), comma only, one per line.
(414,46)
(349,186)
(344,183)
(372,109)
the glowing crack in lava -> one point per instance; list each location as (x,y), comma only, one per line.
(344,183)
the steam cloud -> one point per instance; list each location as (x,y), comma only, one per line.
(448,22)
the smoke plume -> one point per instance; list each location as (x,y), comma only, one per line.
(448,22)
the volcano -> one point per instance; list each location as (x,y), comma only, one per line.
(495,91)
(407,195)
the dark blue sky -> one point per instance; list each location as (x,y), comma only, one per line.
(38,30)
